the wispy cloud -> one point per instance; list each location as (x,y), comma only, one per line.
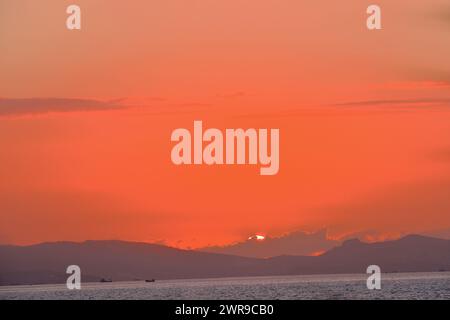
(33,106)
(397,102)
(441,155)
(421,80)
(443,15)
(233,95)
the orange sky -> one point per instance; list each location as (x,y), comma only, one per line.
(363,117)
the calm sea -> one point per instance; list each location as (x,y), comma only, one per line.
(394,286)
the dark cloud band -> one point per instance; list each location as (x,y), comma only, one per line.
(27,106)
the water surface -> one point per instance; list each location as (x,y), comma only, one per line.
(353,286)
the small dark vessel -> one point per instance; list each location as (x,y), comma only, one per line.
(105,280)
(150,280)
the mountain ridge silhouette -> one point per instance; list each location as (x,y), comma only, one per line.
(126,261)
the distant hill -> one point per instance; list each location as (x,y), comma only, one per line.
(442,233)
(119,260)
(295,243)
(412,253)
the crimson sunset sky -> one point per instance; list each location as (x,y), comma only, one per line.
(86,118)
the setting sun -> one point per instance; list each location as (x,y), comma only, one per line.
(258,237)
